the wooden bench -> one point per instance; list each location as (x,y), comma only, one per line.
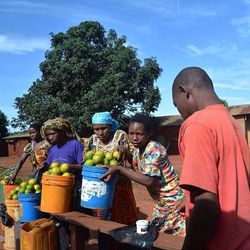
(81,225)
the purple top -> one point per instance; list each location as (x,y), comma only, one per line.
(70,152)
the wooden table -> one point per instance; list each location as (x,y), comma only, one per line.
(82,224)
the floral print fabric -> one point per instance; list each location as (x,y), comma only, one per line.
(154,162)
(38,153)
(124,206)
(120,138)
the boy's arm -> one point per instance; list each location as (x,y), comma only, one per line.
(202,219)
(76,166)
(18,167)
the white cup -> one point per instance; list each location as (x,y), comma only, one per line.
(142,226)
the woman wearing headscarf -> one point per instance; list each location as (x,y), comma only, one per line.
(108,138)
(36,151)
(65,149)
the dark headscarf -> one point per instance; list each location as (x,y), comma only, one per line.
(60,124)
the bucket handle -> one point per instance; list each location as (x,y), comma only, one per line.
(41,222)
(55,183)
(32,199)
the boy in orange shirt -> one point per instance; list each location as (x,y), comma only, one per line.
(216,165)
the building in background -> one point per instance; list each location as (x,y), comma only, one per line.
(242,114)
(16,143)
(168,131)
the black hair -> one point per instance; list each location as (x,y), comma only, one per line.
(150,123)
(194,76)
(36,126)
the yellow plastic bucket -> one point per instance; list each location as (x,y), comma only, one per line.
(13,209)
(38,235)
(11,233)
(56,193)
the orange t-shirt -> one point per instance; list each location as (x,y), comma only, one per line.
(216,158)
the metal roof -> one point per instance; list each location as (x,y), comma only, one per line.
(171,120)
(176,120)
(239,109)
(18,135)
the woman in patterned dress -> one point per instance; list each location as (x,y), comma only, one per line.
(152,168)
(36,150)
(108,138)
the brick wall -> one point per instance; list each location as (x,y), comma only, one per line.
(168,137)
(15,147)
(3,149)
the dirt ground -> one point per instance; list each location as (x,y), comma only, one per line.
(143,200)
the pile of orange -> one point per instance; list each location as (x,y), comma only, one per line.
(99,158)
(26,187)
(57,168)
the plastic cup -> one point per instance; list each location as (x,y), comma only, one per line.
(142,226)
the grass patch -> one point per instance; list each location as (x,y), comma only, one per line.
(6,171)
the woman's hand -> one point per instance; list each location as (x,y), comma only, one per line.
(112,170)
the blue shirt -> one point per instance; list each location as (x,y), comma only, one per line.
(71,152)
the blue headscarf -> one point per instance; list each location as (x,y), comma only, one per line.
(105,118)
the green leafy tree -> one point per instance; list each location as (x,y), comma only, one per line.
(3,125)
(86,72)
(224,102)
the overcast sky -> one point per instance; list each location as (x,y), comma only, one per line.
(214,35)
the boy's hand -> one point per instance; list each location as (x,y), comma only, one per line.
(12,179)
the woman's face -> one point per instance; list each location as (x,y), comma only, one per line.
(103,131)
(138,135)
(34,134)
(54,136)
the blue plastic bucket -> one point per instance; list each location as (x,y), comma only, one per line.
(28,204)
(96,194)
